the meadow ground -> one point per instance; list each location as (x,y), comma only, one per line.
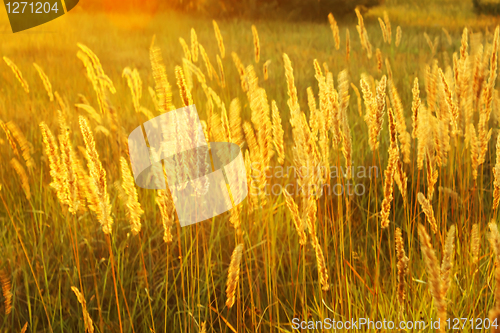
(348,267)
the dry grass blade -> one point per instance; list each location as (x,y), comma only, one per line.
(423,135)
(322,270)
(484,134)
(384,29)
(10,138)
(429,42)
(235,123)
(18,74)
(495,245)
(297,220)
(134,210)
(135,84)
(225,124)
(185,93)
(206,60)
(447,261)
(220,40)
(194,45)
(363,35)
(91,112)
(313,113)
(292,90)
(335,30)
(401,180)
(448,37)
(358,98)
(428,211)
(389,172)
(24,144)
(256,43)
(104,80)
(22,176)
(388,27)
(265,69)
(278,134)
(475,244)
(62,104)
(233,275)
(100,204)
(433,272)
(185,48)
(378,55)
(402,266)
(25,327)
(89,325)
(449,101)
(375,106)
(343,96)
(6,291)
(166,204)
(403,136)
(163,89)
(221,72)
(399,35)
(45,80)
(432,176)
(241,71)
(68,166)
(235,218)
(450,193)
(347,46)
(415,106)
(203,328)
(474,151)
(52,152)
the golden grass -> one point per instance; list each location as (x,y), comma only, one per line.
(305,112)
(335,30)
(233,275)
(428,211)
(402,266)
(389,172)
(220,40)
(18,74)
(399,36)
(100,204)
(256,43)
(23,177)
(495,245)
(434,280)
(6,292)
(89,325)
(45,80)
(194,45)
(134,210)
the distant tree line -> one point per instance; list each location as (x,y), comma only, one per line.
(268,9)
(287,9)
(486,7)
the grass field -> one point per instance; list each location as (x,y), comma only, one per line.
(338,256)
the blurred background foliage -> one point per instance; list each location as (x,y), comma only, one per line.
(489,7)
(251,9)
(290,9)
(303,10)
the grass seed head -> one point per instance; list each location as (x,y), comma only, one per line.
(233,275)
(220,40)
(256,43)
(18,74)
